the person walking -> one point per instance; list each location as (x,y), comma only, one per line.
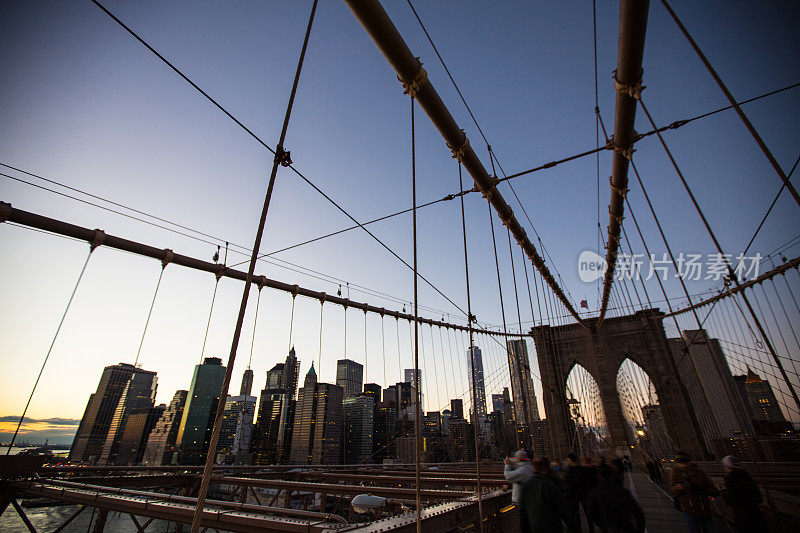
(517,471)
(612,507)
(692,488)
(741,494)
(578,485)
(542,500)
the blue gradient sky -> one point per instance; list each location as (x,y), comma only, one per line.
(84,103)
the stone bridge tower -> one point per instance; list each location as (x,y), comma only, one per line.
(639,337)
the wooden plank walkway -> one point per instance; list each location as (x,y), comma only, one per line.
(659,510)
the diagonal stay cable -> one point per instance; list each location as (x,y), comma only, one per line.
(492,155)
(265,145)
(281,159)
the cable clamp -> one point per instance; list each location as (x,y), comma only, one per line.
(295,291)
(220,270)
(99,237)
(634,90)
(486,194)
(322,298)
(626,152)
(459,151)
(623,192)
(412,87)
(618,218)
(262,281)
(5,211)
(168,255)
(282,156)
(610,235)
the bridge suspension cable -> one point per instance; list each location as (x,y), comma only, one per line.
(732,100)
(377,23)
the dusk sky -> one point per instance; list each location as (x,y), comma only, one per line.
(84,104)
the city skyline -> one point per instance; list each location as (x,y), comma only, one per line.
(193,145)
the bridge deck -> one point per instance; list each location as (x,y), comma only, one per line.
(659,510)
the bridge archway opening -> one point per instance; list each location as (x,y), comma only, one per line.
(644,420)
(589,435)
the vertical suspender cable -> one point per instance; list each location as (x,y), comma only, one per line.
(255,325)
(149,313)
(281,158)
(479,487)
(50,349)
(208,323)
(418,393)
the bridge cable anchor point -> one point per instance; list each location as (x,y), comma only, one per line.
(283,157)
(415,84)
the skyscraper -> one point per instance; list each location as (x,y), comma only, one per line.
(194,433)
(317,434)
(456,409)
(373,390)
(274,376)
(96,421)
(291,369)
(526,409)
(272,433)
(498,401)
(385,429)
(137,398)
(138,427)
(478,412)
(349,376)
(358,428)
(704,371)
(235,434)
(414,377)
(161,441)
(247,383)
(758,396)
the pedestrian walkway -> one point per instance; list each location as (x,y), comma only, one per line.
(659,509)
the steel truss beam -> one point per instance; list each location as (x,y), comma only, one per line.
(794,263)
(97,237)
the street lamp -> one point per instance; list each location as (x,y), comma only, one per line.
(576,414)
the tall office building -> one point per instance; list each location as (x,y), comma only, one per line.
(385,429)
(233,446)
(478,412)
(705,373)
(317,434)
(274,376)
(456,409)
(138,427)
(758,397)
(497,403)
(247,383)
(373,390)
(161,441)
(197,422)
(414,377)
(272,433)
(137,398)
(350,377)
(96,421)
(291,370)
(526,409)
(358,428)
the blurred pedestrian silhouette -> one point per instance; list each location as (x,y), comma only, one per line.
(542,500)
(518,470)
(612,507)
(741,494)
(692,488)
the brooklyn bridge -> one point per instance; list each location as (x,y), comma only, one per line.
(681,339)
